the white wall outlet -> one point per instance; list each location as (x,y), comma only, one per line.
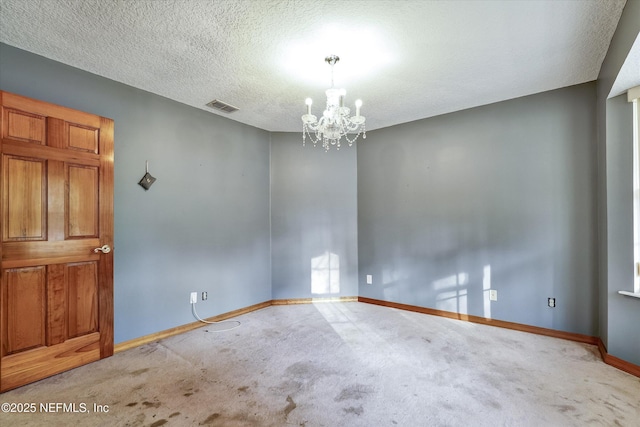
(369,279)
(551,302)
(194,297)
(204,295)
(493,295)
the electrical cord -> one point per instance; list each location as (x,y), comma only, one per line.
(195,314)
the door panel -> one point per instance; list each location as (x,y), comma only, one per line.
(23,301)
(24,212)
(82,201)
(56,293)
(23,126)
(83,138)
(83,298)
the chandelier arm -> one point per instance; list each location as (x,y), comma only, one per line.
(315,137)
(313,126)
(353,126)
(350,127)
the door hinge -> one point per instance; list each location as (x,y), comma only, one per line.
(637,268)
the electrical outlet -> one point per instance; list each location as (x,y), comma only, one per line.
(551,302)
(369,279)
(194,297)
(493,295)
(204,295)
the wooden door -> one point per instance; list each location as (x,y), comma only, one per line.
(56,208)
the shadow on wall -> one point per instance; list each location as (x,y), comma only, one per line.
(325,274)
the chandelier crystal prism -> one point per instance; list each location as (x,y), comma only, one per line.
(335,121)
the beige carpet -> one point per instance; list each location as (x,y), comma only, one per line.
(341,364)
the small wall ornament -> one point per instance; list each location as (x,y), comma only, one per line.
(147,180)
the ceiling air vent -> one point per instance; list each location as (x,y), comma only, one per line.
(222,106)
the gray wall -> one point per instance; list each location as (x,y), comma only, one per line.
(499,196)
(619,315)
(203,226)
(313,219)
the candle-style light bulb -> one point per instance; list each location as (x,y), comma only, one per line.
(342,95)
(308,101)
(358,105)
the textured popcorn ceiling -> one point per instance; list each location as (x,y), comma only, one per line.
(406,60)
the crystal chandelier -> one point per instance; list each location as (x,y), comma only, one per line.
(335,121)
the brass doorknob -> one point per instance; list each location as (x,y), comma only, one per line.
(104,249)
